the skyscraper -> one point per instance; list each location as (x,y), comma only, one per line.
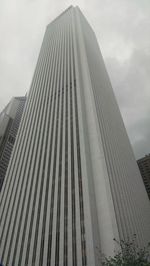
(144,166)
(10,119)
(73,183)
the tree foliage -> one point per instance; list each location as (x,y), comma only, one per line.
(129,254)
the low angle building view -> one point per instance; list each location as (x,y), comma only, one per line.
(72,184)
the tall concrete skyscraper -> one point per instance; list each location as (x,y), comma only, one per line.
(73,183)
(10,119)
(144,167)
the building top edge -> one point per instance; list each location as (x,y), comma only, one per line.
(21,97)
(62,13)
(147,156)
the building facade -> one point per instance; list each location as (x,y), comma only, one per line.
(144,166)
(10,119)
(73,183)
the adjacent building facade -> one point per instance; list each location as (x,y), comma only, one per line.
(73,183)
(10,119)
(144,166)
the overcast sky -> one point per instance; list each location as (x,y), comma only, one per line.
(123,31)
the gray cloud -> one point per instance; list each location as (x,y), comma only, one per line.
(123,31)
(131,87)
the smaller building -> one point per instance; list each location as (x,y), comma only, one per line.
(144,166)
(10,119)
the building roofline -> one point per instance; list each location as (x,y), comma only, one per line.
(61,14)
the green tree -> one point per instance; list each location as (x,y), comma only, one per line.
(129,254)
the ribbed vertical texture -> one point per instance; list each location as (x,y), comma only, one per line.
(130,201)
(43,192)
(49,211)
